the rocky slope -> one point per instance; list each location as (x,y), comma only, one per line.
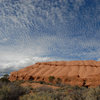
(82,73)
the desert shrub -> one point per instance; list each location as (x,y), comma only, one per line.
(2,83)
(44,96)
(58,80)
(5,78)
(11,92)
(45,93)
(18,82)
(37,96)
(51,78)
(45,89)
(65,93)
(73,92)
(58,96)
(42,82)
(76,95)
(93,94)
(65,88)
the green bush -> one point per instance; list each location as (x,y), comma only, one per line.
(51,78)
(58,81)
(5,78)
(42,82)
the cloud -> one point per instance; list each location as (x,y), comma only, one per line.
(12,64)
(98,59)
(43,30)
(37,14)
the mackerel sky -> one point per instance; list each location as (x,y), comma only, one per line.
(45,30)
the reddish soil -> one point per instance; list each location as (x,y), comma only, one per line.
(37,85)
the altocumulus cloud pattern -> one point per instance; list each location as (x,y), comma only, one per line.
(45,30)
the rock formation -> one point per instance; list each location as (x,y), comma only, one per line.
(82,73)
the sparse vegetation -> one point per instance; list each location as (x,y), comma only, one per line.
(14,91)
(38,96)
(66,93)
(58,81)
(51,78)
(10,90)
(42,82)
(5,78)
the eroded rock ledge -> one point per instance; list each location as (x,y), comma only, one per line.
(82,73)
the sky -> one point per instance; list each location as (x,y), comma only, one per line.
(46,30)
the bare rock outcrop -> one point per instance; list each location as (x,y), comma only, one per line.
(82,73)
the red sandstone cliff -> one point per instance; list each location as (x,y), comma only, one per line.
(82,73)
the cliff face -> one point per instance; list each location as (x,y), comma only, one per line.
(82,73)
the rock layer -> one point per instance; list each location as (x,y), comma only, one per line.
(82,73)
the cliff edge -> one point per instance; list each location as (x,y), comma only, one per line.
(82,73)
